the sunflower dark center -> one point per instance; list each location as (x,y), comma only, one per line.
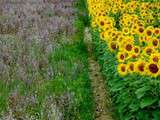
(141,30)
(149,51)
(123,68)
(128,47)
(155,42)
(149,33)
(153,68)
(141,67)
(102,23)
(113,46)
(155,59)
(131,67)
(136,50)
(122,57)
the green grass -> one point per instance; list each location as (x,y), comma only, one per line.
(6,88)
(76,81)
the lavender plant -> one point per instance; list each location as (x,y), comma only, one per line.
(30,30)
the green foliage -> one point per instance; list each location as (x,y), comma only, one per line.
(82,12)
(134,96)
(77,82)
(147,101)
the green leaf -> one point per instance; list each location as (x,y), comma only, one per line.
(116,87)
(134,106)
(147,101)
(156,115)
(141,91)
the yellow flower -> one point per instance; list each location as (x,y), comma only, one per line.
(131,67)
(133,56)
(153,69)
(126,30)
(156,31)
(136,50)
(149,31)
(155,57)
(140,30)
(136,39)
(148,50)
(113,46)
(154,42)
(122,69)
(93,24)
(102,36)
(140,67)
(128,47)
(121,56)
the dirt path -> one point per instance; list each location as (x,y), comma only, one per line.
(101,99)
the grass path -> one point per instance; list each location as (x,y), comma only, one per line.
(101,97)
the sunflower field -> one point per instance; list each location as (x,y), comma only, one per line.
(126,37)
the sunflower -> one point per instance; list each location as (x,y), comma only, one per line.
(114,10)
(143,13)
(113,46)
(153,69)
(136,50)
(121,56)
(156,31)
(140,67)
(132,6)
(149,50)
(132,56)
(149,31)
(134,28)
(155,57)
(155,42)
(102,36)
(106,35)
(122,69)
(93,24)
(120,38)
(128,47)
(113,34)
(131,67)
(122,7)
(125,30)
(129,39)
(148,39)
(140,30)
(101,21)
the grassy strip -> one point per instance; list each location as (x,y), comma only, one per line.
(78,82)
(75,79)
(134,96)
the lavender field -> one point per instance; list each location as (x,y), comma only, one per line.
(43,61)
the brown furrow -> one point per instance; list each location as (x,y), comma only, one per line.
(101,99)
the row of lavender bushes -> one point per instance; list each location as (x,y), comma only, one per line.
(30,30)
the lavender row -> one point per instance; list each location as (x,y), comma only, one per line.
(29,30)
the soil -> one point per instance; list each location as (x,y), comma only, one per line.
(101,95)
